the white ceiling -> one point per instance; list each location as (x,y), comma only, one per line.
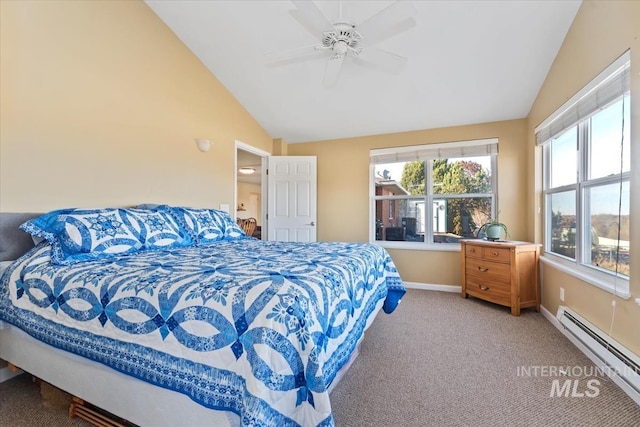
(468,62)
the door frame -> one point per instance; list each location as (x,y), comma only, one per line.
(264,155)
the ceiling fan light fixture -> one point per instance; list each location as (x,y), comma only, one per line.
(247,170)
(342,37)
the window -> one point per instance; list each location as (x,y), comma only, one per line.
(586,176)
(428,194)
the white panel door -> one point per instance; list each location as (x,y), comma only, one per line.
(292,211)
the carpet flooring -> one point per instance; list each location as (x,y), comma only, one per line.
(438,360)
(442,360)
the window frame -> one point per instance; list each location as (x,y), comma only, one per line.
(581,265)
(429,197)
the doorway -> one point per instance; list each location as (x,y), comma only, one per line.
(250,186)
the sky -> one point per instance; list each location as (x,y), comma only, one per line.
(605,161)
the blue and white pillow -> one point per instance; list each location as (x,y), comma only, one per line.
(207,226)
(44,226)
(162,229)
(233,231)
(89,234)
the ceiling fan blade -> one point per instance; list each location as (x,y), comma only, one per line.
(386,33)
(310,17)
(380,59)
(388,17)
(292,56)
(332,71)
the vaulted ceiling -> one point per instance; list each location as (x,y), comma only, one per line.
(466,62)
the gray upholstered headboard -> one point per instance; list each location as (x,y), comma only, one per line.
(13,241)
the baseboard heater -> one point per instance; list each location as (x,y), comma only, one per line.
(620,364)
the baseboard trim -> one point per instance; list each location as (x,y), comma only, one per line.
(551,318)
(432,287)
(592,356)
(6,374)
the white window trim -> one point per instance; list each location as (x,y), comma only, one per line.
(452,148)
(607,281)
(472,148)
(618,286)
(601,78)
(417,246)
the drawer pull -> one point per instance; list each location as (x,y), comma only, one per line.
(484,288)
(495,253)
(483,269)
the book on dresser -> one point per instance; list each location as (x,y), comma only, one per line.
(502,272)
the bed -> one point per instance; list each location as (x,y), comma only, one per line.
(175,317)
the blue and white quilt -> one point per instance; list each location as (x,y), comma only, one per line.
(257,328)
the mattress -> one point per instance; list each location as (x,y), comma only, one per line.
(253,331)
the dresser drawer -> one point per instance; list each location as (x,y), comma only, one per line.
(473,251)
(499,293)
(487,270)
(489,253)
(496,254)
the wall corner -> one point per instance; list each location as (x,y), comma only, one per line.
(280,147)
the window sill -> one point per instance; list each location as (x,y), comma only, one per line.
(418,246)
(621,290)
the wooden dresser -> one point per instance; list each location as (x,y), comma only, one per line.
(504,273)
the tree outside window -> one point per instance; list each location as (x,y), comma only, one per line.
(436,201)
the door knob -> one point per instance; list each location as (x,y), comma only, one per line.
(312,223)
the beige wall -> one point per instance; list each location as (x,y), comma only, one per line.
(343,190)
(100,102)
(601,32)
(100,105)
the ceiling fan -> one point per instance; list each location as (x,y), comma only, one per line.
(343,38)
